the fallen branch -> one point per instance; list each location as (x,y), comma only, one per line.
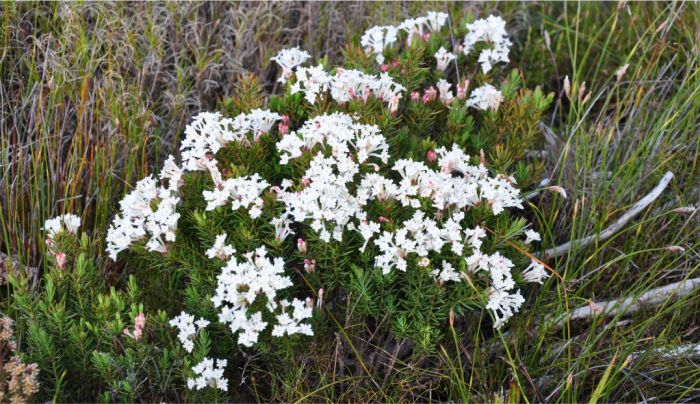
(686,351)
(651,298)
(615,227)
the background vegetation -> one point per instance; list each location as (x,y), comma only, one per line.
(94,95)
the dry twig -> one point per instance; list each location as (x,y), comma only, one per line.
(615,227)
(652,298)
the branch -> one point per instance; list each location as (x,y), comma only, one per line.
(652,298)
(673,352)
(615,227)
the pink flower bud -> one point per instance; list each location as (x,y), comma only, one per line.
(282,128)
(395,63)
(301,245)
(462,90)
(432,156)
(403,70)
(140,321)
(384,68)
(310,265)
(429,95)
(319,304)
(305,181)
(60,259)
(425,37)
(383,219)
(415,96)
(310,302)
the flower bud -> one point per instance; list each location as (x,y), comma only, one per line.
(384,68)
(319,304)
(431,156)
(301,245)
(415,96)
(60,259)
(310,265)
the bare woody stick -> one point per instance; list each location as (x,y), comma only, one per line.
(615,227)
(652,298)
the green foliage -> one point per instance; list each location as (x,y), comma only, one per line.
(75,332)
(94,93)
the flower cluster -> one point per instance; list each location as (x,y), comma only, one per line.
(486,97)
(443,58)
(289,59)
(209,132)
(68,222)
(139,325)
(209,373)
(376,39)
(241,283)
(149,209)
(493,31)
(417,27)
(346,85)
(188,329)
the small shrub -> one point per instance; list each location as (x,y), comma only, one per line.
(382,193)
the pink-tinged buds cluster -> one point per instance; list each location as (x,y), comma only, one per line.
(139,326)
(309,265)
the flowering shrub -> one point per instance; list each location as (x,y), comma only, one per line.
(385,192)
(349,192)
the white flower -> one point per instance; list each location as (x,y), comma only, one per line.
(493,31)
(290,325)
(288,59)
(220,249)
(503,305)
(443,58)
(485,97)
(138,218)
(240,283)
(413,26)
(67,222)
(535,272)
(312,81)
(209,132)
(172,173)
(282,230)
(489,57)
(445,89)
(209,373)
(188,329)
(531,235)
(446,274)
(376,39)
(244,192)
(434,21)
